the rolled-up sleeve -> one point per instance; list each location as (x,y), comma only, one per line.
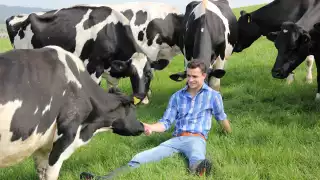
(218,109)
(171,113)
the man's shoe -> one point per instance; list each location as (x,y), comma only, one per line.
(112,175)
(86,176)
(204,168)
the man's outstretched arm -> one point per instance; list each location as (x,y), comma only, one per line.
(225,124)
(157,127)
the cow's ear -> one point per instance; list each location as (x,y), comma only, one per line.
(248,17)
(272,36)
(218,73)
(178,76)
(305,37)
(120,66)
(159,64)
(243,12)
(317,27)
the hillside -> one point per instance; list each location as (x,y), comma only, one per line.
(7,11)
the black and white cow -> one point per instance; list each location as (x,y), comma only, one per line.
(269,18)
(295,41)
(156,28)
(100,36)
(50,106)
(209,34)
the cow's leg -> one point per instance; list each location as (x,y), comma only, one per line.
(41,159)
(318,78)
(290,78)
(309,62)
(62,149)
(213,81)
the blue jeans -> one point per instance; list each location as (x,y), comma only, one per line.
(193,147)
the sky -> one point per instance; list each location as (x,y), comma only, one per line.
(56,4)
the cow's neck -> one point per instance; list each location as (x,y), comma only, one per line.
(178,29)
(101,116)
(102,101)
(310,18)
(262,16)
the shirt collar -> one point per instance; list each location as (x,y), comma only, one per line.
(204,87)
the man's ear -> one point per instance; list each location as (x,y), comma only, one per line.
(272,36)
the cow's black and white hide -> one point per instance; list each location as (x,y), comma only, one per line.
(100,36)
(49,107)
(156,28)
(269,18)
(209,34)
(294,42)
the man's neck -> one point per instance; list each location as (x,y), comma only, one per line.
(193,92)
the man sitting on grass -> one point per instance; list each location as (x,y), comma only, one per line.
(192,108)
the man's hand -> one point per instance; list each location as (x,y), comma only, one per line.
(147,129)
(225,124)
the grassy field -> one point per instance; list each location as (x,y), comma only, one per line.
(276,131)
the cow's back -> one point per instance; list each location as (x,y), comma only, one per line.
(209,27)
(34,85)
(29,80)
(156,26)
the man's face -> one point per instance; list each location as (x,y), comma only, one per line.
(195,78)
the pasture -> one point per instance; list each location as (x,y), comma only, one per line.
(275,135)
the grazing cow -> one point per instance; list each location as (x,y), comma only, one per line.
(294,42)
(269,18)
(50,106)
(100,36)
(156,28)
(209,34)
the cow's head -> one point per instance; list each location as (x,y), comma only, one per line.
(124,118)
(293,45)
(248,32)
(139,69)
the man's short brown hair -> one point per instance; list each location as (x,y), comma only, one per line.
(197,64)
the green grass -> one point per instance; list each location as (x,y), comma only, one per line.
(5,45)
(276,131)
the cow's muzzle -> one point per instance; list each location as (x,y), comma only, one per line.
(137,98)
(279,73)
(237,48)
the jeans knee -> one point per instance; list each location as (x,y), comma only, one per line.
(133,164)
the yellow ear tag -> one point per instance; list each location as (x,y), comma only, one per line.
(136,100)
(205,3)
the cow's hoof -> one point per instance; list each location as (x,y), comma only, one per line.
(309,80)
(86,176)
